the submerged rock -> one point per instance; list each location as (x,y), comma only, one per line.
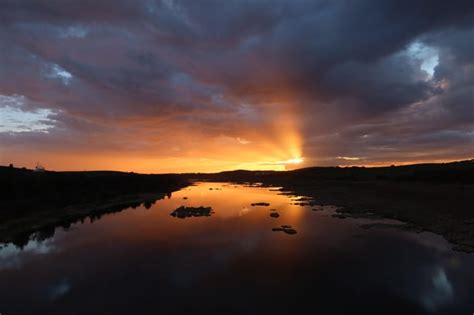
(184,212)
(274,215)
(286,229)
(289,231)
(302,199)
(304,204)
(264,204)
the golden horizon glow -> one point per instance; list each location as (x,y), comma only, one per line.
(185,149)
(294,161)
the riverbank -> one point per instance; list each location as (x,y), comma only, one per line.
(444,209)
(42,224)
(33,204)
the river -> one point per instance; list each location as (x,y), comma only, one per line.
(145,261)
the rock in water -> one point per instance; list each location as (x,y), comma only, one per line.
(264,204)
(285,228)
(289,231)
(184,212)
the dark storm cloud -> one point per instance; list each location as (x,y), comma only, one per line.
(345,70)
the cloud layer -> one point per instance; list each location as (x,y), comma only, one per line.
(209,85)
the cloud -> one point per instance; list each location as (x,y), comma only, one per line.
(387,81)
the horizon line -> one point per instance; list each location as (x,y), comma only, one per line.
(471,160)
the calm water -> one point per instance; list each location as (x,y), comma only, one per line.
(144,261)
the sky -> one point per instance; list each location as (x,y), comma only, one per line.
(179,86)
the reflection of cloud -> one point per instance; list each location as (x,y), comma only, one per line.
(244,211)
(440,293)
(59,289)
(12,257)
(433,242)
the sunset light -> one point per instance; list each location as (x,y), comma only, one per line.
(294,161)
(236,157)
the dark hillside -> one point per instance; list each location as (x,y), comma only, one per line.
(26,190)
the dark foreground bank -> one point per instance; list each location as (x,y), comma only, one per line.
(36,202)
(433,197)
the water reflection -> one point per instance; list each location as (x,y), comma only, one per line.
(439,293)
(146,262)
(12,256)
(59,289)
(45,232)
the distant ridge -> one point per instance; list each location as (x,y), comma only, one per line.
(459,171)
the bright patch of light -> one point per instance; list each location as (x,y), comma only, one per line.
(14,119)
(294,161)
(427,56)
(285,162)
(55,71)
(243,140)
(274,165)
(349,158)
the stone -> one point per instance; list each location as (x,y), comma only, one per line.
(185,212)
(264,204)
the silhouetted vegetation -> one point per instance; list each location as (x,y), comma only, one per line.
(23,190)
(33,204)
(40,226)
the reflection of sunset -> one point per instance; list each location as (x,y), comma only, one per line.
(231,204)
